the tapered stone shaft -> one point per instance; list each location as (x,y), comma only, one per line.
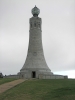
(35,63)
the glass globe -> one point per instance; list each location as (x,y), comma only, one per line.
(35,11)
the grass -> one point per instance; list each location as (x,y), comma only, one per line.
(61,89)
(5,80)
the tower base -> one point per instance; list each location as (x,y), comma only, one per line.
(34,73)
(28,74)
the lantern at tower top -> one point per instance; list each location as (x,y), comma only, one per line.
(35,11)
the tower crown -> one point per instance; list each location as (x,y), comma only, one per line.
(35,11)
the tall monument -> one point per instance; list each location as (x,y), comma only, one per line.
(35,63)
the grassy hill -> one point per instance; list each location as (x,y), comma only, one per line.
(61,89)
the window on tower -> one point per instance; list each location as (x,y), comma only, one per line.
(31,25)
(35,24)
(39,25)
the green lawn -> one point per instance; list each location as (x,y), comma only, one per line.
(5,80)
(61,89)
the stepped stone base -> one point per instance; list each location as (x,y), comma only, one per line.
(36,75)
(40,75)
(52,77)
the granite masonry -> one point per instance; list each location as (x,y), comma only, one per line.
(35,65)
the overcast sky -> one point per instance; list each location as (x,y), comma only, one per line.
(58,34)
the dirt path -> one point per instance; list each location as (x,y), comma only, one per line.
(9,85)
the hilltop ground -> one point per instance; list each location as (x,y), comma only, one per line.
(54,89)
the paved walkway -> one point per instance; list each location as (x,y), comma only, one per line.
(9,85)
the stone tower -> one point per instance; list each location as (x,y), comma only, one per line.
(35,63)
